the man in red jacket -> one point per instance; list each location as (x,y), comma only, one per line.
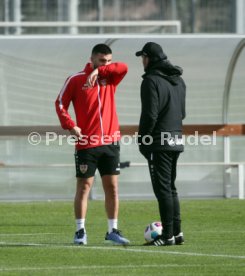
(92,93)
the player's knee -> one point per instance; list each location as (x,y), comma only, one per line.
(83,185)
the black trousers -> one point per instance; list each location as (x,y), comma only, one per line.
(162,166)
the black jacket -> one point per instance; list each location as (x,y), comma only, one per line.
(163,108)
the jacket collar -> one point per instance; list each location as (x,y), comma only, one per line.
(88,68)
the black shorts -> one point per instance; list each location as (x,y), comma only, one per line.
(104,158)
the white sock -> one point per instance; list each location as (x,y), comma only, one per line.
(80,224)
(112,223)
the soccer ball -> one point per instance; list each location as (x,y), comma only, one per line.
(152,230)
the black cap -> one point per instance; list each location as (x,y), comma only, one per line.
(153,51)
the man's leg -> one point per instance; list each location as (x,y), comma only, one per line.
(179,236)
(176,205)
(81,197)
(160,165)
(80,208)
(85,170)
(109,168)
(110,186)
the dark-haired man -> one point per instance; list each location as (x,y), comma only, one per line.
(91,92)
(160,135)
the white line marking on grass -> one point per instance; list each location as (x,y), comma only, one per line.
(29,234)
(165,252)
(87,267)
(126,249)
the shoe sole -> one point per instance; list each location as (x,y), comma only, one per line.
(109,242)
(80,243)
(147,244)
(160,242)
(181,243)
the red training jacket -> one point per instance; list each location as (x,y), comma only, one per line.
(94,107)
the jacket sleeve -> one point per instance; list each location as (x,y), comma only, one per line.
(149,107)
(62,104)
(114,71)
(183,101)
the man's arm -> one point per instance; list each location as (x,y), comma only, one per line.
(183,101)
(149,107)
(62,104)
(114,71)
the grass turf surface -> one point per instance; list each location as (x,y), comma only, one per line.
(36,238)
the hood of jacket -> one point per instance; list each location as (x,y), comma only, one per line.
(164,69)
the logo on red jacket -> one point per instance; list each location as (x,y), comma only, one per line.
(83,168)
(85,86)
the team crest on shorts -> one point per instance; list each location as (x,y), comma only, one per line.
(83,168)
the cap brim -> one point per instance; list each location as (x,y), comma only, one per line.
(139,53)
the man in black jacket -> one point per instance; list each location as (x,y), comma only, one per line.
(160,135)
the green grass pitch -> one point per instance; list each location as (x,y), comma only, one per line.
(36,238)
